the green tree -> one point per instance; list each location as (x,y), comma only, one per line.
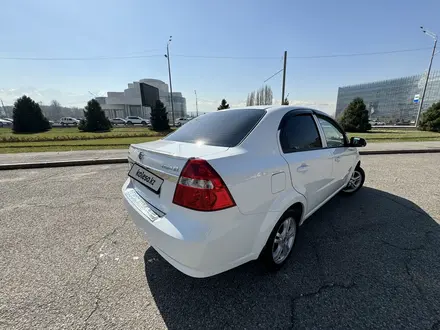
(28,117)
(223,105)
(159,118)
(430,120)
(355,117)
(94,118)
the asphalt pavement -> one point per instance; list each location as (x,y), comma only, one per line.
(71,259)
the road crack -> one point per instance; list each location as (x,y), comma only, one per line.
(323,287)
(95,308)
(107,235)
(417,248)
(102,239)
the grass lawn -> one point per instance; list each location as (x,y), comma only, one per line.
(397,135)
(67,139)
(72,133)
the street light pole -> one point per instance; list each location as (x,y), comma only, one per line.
(284,77)
(169,75)
(434,36)
(197,105)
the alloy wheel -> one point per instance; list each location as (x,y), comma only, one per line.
(284,239)
(355,182)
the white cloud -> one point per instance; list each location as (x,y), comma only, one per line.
(44,95)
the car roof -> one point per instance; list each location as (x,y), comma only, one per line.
(281,108)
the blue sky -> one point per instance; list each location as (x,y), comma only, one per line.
(243,28)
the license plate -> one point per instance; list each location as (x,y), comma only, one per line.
(145,177)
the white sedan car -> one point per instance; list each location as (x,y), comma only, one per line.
(210,197)
(5,123)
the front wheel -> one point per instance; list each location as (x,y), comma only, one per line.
(356,181)
(281,241)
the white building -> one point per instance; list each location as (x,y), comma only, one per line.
(179,102)
(138,99)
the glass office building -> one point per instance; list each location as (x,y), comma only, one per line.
(392,101)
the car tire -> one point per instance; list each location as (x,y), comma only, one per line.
(356,181)
(275,255)
(62,124)
(129,123)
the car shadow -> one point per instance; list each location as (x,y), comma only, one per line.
(371,260)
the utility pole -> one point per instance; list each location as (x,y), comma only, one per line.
(169,75)
(197,105)
(284,77)
(434,36)
(4,109)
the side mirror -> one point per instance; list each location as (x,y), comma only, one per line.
(357,142)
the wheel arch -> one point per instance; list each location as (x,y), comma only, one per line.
(281,205)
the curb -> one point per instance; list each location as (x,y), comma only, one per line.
(64,163)
(85,162)
(397,152)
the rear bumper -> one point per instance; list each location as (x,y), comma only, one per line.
(196,243)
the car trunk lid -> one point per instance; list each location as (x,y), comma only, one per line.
(156,167)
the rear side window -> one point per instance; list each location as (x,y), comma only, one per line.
(221,128)
(300,133)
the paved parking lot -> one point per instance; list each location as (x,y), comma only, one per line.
(70,258)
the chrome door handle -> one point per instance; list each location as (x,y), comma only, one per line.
(303,168)
(338,159)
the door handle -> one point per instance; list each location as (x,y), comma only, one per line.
(303,168)
(338,159)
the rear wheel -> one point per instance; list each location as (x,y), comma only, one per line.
(281,241)
(356,181)
(144,123)
(129,123)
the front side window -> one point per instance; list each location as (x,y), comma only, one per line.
(333,135)
(300,133)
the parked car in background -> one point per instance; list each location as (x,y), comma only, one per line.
(181,121)
(5,123)
(118,121)
(210,197)
(135,120)
(69,121)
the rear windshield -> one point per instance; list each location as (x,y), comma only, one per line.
(221,128)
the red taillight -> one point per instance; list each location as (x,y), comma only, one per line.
(201,188)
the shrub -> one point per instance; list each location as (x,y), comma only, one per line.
(28,117)
(159,119)
(355,117)
(95,119)
(223,105)
(430,120)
